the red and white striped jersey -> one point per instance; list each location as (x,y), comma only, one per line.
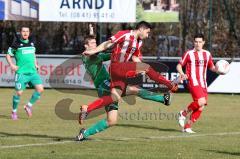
(196,63)
(126,45)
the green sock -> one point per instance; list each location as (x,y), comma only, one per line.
(96,128)
(15,101)
(35,96)
(150,96)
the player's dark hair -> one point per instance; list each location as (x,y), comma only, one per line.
(199,35)
(88,37)
(143,24)
(24,26)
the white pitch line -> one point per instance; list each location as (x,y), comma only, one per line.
(37,144)
(184,135)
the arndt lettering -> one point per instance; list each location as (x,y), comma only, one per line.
(83,4)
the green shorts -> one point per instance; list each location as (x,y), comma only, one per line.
(21,80)
(104,90)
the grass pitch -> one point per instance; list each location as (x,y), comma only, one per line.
(161,16)
(145,129)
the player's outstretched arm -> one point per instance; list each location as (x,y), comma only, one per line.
(103,46)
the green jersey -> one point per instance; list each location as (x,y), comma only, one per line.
(24,53)
(95,68)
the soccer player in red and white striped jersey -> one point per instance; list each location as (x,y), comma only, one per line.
(125,62)
(196,62)
(127,45)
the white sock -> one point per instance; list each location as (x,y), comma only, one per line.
(29,104)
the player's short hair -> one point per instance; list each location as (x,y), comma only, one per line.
(88,37)
(143,24)
(24,26)
(199,35)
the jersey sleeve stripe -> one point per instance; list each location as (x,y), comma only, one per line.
(114,40)
(10,51)
(183,60)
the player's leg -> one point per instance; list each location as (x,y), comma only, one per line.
(157,77)
(103,90)
(37,83)
(195,108)
(103,101)
(128,68)
(118,86)
(15,103)
(183,113)
(195,114)
(99,103)
(19,87)
(101,125)
(148,95)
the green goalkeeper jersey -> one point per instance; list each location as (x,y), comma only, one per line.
(24,53)
(95,68)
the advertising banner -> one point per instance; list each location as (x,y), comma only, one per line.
(229,83)
(88,10)
(55,73)
(69,72)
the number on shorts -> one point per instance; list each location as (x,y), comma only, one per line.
(18,85)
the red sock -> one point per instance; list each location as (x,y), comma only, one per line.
(195,115)
(193,106)
(184,113)
(187,126)
(99,103)
(158,77)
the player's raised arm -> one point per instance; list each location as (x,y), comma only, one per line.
(103,46)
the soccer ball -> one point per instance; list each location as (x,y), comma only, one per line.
(222,67)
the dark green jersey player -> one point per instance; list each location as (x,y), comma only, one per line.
(99,74)
(95,68)
(101,79)
(25,69)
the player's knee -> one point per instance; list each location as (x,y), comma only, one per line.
(201,108)
(112,122)
(132,90)
(202,102)
(19,93)
(116,94)
(40,89)
(145,66)
(115,97)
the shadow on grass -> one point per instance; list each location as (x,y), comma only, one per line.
(9,117)
(224,152)
(4,116)
(147,127)
(54,138)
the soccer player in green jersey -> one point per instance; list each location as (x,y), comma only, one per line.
(25,70)
(101,78)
